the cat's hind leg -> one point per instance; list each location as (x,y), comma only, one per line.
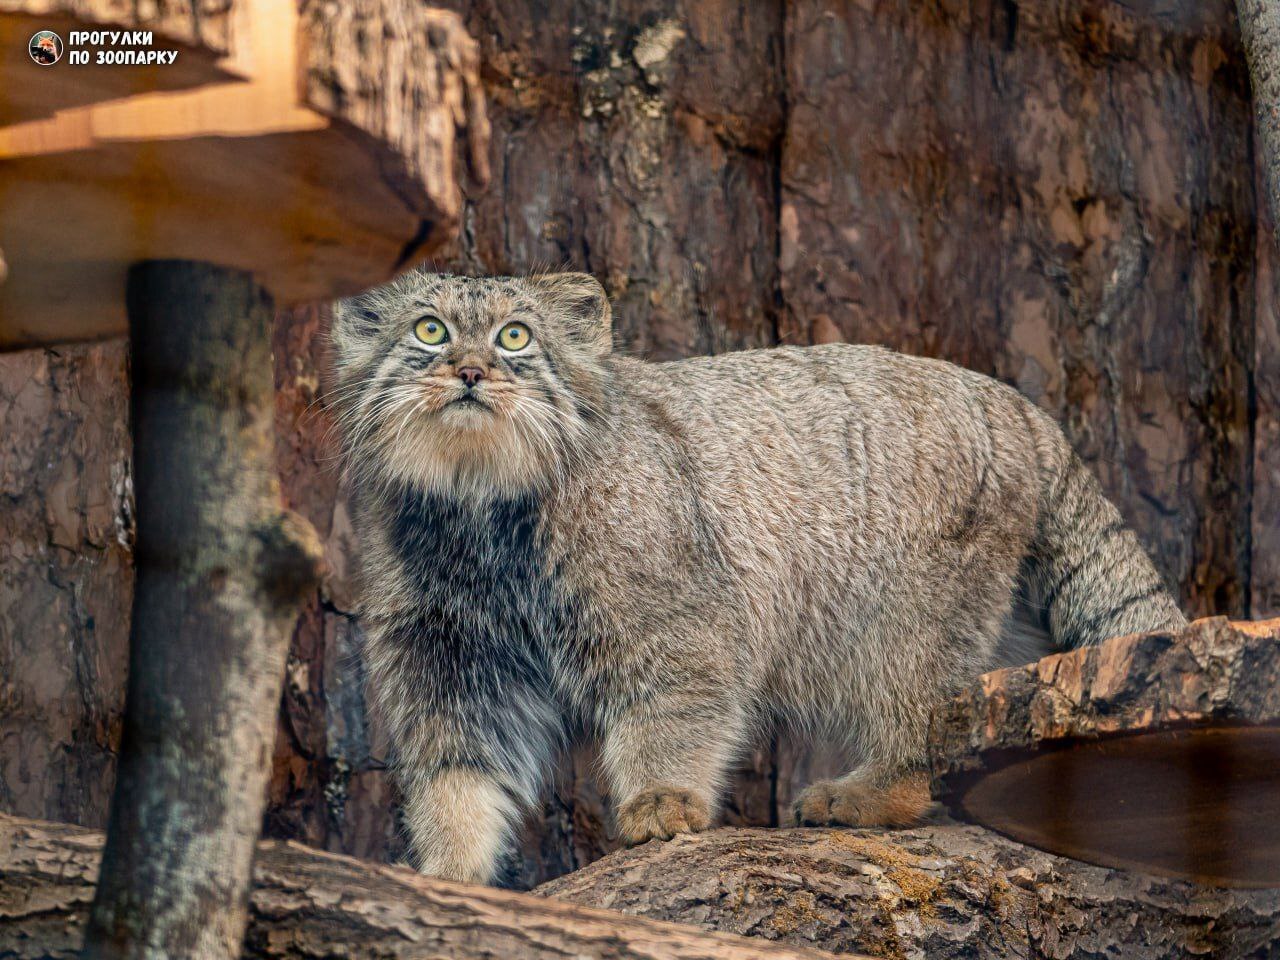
(860,799)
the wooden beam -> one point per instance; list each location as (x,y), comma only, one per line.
(286,148)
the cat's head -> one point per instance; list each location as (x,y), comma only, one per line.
(471,386)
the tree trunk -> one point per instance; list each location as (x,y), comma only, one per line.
(221,569)
(308,905)
(937,891)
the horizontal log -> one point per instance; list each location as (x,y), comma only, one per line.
(944,890)
(310,904)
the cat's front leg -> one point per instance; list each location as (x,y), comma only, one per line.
(468,775)
(459,820)
(474,740)
(665,759)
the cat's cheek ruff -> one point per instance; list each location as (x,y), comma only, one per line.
(496,458)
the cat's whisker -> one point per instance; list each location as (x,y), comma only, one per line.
(377,412)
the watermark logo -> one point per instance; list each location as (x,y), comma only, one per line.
(45,48)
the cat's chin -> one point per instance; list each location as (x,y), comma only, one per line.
(467,415)
(469,453)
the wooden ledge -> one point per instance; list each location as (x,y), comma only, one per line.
(281,142)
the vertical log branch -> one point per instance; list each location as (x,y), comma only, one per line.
(1260,30)
(221,571)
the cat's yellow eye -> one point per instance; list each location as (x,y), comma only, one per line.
(514,336)
(431,331)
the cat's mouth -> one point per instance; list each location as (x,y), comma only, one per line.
(468,401)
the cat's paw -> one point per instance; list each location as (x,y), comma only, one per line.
(662,812)
(851,802)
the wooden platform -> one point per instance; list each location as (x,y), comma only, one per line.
(282,141)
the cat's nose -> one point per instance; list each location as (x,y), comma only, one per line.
(471,375)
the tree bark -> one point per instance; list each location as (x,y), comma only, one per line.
(221,571)
(1260,32)
(424,80)
(307,904)
(938,891)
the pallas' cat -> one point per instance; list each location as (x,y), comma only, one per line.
(559,540)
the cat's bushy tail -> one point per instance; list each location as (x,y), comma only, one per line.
(1087,574)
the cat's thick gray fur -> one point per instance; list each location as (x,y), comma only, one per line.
(669,556)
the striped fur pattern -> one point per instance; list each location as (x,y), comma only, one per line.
(671,556)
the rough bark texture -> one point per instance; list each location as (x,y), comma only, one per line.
(638,140)
(221,572)
(307,904)
(66,578)
(421,84)
(1214,672)
(1059,193)
(1265,568)
(937,891)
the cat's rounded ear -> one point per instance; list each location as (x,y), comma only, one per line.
(356,317)
(355,325)
(581,302)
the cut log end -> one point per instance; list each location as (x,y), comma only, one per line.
(1158,752)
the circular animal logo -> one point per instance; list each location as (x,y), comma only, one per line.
(45,48)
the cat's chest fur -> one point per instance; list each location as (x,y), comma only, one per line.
(481,578)
(477,561)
